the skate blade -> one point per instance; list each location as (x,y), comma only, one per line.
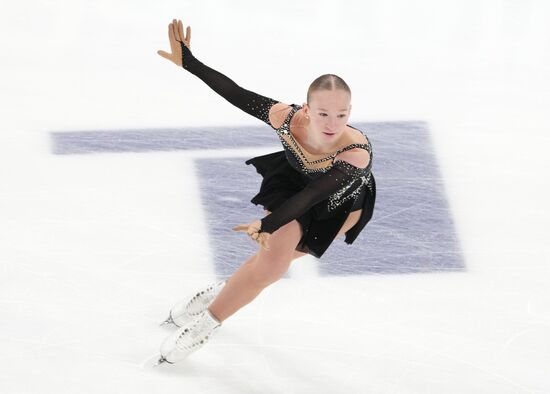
(154,361)
(168,320)
(161,360)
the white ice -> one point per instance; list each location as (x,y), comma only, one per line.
(95,248)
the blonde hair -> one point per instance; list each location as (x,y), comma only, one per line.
(327,82)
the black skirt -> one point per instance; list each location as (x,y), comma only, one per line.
(319,228)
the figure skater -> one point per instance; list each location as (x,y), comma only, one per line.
(318,188)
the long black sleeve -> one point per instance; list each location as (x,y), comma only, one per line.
(250,102)
(317,190)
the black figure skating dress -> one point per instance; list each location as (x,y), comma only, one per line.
(319,194)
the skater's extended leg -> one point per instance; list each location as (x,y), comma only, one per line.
(258,272)
(236,293)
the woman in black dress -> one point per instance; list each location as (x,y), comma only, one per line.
(318,188)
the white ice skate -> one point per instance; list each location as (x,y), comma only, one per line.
(188,338)
(191,307)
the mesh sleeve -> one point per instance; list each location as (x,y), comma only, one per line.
(319,189)
(250,102)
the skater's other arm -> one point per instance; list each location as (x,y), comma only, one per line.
(250,102)
(318,189)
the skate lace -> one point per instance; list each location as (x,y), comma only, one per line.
(196,335)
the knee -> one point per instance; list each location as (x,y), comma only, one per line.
(269,270)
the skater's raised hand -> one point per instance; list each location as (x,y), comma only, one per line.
(252,229)
(176,37)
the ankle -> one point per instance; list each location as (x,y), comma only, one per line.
(213,315)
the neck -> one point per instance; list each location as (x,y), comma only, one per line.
(319,147)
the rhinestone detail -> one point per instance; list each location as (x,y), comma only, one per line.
(338,198)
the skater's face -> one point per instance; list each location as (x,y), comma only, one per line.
(328,113)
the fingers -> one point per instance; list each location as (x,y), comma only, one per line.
(253,232)
(241,227)
(261,239)
(164,55)
(180,30)
(246,227)
(263,242)
(171,36)
(175,30)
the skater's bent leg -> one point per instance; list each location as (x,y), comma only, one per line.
(258,272)
(272,264)
(236,293)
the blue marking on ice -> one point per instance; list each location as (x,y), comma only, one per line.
(80,142)
(411,230)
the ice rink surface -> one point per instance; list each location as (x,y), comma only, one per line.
(121,176)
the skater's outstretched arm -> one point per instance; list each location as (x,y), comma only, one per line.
(250,102)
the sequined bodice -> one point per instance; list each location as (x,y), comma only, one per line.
(299,160)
